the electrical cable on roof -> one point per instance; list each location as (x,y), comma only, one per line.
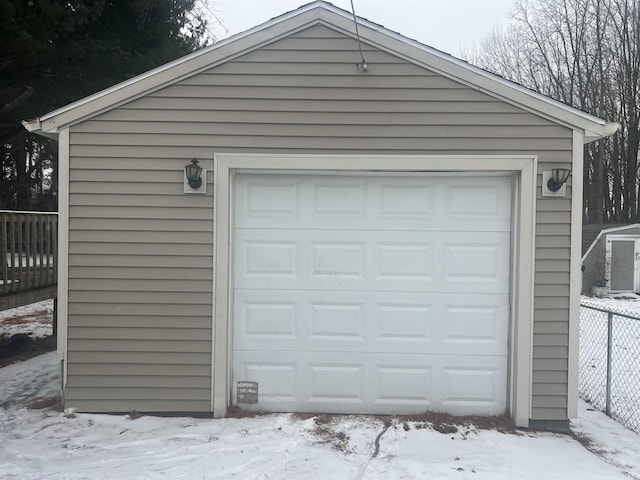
(361,66)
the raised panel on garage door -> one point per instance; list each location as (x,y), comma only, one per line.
(372,294)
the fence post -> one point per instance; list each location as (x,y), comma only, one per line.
(609,349)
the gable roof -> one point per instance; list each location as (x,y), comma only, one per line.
(323,13)
(591,233)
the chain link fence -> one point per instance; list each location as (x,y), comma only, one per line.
(609,369)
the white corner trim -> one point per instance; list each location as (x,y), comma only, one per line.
(225,164)
(63,248)
(575,275)
(523,297)
(221,350)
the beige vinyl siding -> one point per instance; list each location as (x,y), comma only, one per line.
(135,237)
(140,288)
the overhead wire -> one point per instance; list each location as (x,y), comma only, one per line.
(363,65)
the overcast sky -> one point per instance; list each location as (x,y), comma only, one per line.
(452,26)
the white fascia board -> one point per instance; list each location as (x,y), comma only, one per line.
(34,126)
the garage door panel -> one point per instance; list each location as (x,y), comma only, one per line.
(413,199)
(336,382)
(355,203)
(396,260)
(466,199)
(278,381)
(337,259)
(273,259)
(479,260)
(268,319)
(371,294)
(370,322)
(408,385)
(338,197)
(269,197)
(378,383)
(377,260)
(475,324)
(337,321)
(478,386)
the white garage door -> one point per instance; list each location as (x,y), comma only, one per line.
(371,294)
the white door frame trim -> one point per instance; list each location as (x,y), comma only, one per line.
(608,252)
(525,166)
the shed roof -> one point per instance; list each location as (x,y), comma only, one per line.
(324,13)
(592,232)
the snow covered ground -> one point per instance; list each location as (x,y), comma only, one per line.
(36,444)
(624,302)
(34,319)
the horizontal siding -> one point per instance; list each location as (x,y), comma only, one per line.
(137,285)
(213,109)
(139,370)
(142,273)
(203,134)
(154,360)
(172,261)
(550,413)
(552,253)
(84,226)
(140,250)
(552,327)
(190,322)
(549,377)
(151,249)
(138,381)
(127,345)
(558,278)
(141,213)
(127,392)
(178,332)
(144,309)
(147,404)
(133,236)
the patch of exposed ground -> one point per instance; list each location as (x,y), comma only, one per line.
(25,332)
(19,348)
(446,423)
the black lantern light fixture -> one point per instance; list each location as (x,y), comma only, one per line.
(193,171)
(559,177)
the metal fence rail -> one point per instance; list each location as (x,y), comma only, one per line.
(609,366)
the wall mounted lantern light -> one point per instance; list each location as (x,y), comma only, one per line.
(554,182)
(559,177)
(193,172)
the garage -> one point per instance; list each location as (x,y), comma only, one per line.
(378,240)
(372,293)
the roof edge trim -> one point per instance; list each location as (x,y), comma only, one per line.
(607,231)
(321,11)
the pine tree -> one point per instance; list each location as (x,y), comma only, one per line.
(53,52)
